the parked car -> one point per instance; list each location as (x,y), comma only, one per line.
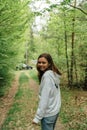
(23,66)
(19,67)
(29,67)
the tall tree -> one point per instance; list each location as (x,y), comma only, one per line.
(13,25)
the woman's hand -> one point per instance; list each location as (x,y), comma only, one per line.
(34,123)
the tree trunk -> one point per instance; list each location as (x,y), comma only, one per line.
(85,82)
(72,50)
(72,60)
(66,53)
(76,75)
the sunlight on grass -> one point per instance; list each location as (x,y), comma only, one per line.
(33,75)
(23,78)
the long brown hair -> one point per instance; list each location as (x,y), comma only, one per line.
(51,66)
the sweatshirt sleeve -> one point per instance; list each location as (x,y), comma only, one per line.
(44,98)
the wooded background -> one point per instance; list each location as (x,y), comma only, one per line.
(64,36)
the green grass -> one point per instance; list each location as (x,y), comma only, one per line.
(5,84)
(4,89)
(17,115)
(23,78)
(33,75)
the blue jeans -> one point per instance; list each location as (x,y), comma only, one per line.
(48,123)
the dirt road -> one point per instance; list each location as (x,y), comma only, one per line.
(7,101)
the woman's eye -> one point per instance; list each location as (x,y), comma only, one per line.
(41,62)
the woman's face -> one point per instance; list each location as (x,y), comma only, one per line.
(42,64)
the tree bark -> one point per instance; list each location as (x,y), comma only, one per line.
(66,53)
(72,49)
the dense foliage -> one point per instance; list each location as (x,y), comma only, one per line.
(65,38)
(14,17)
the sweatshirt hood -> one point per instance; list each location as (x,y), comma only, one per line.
(54,76)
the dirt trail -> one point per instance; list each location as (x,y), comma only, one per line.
(7,100)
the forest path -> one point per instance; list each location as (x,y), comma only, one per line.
(7,101)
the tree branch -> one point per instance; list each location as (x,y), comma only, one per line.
(78,9)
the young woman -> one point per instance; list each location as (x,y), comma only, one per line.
(49,94)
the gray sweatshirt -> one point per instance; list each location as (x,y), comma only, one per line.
(49,95)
